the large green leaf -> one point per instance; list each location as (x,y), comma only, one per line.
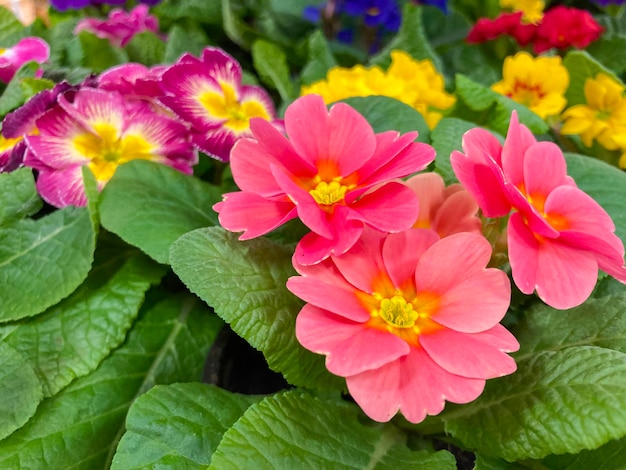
(387,114)
(447,137)
(568,394)
(71,338)
(320,59)
(79,427)
(270,62)
(178,426)
(10,28)
(245,283)
(604,182)
(13,95)
(146,48)
(297,430)
(184,39)
(150,205)
(42,261)
(581,66)
(98,54)
(610,456)
(18,195)
(20,390)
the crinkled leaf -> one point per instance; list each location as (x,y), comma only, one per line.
(18,195)
(411,38)
(146,48)
(19,388)
(42,261)
(98,54)
(387,114)
(610,51)
(79,427)
(446,137)
(581,66)
(150,205)
(189,38)
(178,426)
(297,430)
(10,28)
(245,283)
(604,182)
(14,95)
(32,86)
(480,98)
(270,62)
(485,462)
(320,59)
(204,11)
(608,457)
(70,339)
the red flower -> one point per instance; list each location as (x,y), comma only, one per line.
(562,27)
(509,24)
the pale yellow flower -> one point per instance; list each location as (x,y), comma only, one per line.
(416,83)
(539,83)
(603,118)
(532,10)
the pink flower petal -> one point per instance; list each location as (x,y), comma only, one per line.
(392,207)
(341,136)
(498,337)
(402,251)
(326,296)
(252,214)
(348,345)
(312,249)
(62,187)
(523,250)
(221,65)
(458,213)
(548,157)
(518,140)
(461,354)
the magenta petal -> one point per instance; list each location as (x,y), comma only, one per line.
(402,251)
(312,249)
(250,166)
(63,187)
(461,354)
(518,140)
(390,208)
(544,169)
(335,299)
(253,214)
(221,65)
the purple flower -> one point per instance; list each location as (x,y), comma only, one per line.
(441,4)
(63,5)
(605,3)
(375,13)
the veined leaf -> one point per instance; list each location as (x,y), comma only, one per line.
(270,62)
(18,195)
(581,66)
(446,137)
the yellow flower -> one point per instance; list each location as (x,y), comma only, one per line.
(603,118)
(538,83)
(416,83)
(532,10)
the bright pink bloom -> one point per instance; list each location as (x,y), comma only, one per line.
(102,130)
(333,172)
(509,24)
(120,26)
(408,319)
(208,94)
(558,236)
(446,210)
(563,27)
(30,49)
(133,80)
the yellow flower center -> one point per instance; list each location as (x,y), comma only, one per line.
(226,106)
(526,93)
(7,144)
(106,149)
(398,312)
(327,194)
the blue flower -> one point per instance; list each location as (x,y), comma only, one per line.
(375,13)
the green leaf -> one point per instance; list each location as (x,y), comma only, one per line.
(13,95)
(411,38)
(480,98)
(558,401)
(270,62)
(11,30)
(71,338)
(581,66)
(79,427)
(485,462)
(245,283)
(42,261)
(297,430)
(610,51)
(203,11)
(18,195)
(190,39)
(388,114)
(20,390)
(150,205)
(320,59)
(446,138)
(608,457)
(178,426)
(603,182)
(146,48)
(98,54)
(235,25)
(32,86)
(93,196)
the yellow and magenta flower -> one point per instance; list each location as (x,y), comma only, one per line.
(208,94)
(31,49)
(416,83)
(538,83)
(532,10)
(603,118)
(102,130)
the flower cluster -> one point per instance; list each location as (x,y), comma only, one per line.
(416,83)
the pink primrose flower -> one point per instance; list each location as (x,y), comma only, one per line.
(29,49)
(333,172)
(133,80)
(120,26)
(557,235)
(410,320)
(102,130)
(208,93)
(444,209)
